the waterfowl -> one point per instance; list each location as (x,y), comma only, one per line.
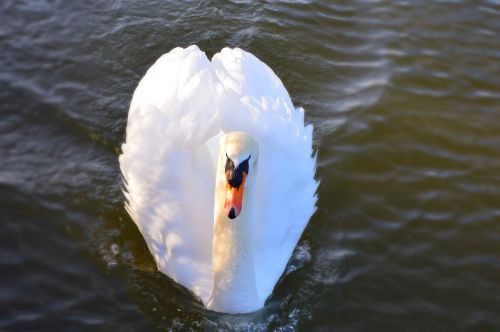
(219,170)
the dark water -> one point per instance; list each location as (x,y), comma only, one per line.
(405,100)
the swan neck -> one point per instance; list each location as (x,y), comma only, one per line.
(233,267)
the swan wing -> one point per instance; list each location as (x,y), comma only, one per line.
(167,168)
(251,98)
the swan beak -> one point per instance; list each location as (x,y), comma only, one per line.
(234,199)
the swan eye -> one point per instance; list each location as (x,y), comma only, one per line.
(229,164)
(243,166)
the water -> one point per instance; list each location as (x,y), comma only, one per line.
(405,100)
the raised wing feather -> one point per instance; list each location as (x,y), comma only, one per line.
(169,183)
(253,99)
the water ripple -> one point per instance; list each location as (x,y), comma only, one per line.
(404,99)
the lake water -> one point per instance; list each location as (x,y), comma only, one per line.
(405,100)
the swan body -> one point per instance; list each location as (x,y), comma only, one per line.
(219,174)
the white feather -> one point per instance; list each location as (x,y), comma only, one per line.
(168,161)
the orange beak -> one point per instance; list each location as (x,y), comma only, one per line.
(234,199)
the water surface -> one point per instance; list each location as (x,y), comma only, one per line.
(405,100)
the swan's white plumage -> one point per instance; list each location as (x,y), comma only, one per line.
(183,101)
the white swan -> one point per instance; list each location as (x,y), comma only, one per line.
(219,174)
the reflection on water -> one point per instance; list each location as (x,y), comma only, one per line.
(405,101)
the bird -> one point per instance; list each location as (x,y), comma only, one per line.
(219,174)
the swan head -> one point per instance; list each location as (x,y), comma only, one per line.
(240,153)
